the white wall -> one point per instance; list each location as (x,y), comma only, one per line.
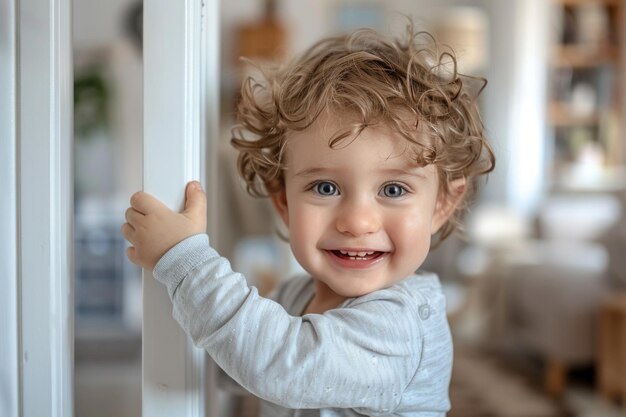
(515,102)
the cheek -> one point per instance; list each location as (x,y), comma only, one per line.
(411,234)
(305,228)
(413,223)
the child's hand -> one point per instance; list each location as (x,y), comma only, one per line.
(153,228)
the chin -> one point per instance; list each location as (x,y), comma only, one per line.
(355,291)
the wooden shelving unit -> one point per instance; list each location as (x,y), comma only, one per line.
(585,114)
(562,116)
(579,56)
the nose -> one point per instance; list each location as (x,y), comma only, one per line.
(358,218)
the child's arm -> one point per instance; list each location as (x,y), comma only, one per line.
(359,357)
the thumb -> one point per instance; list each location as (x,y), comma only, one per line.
(195,201)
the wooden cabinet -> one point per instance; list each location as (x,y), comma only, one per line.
(612,348)
(585,111)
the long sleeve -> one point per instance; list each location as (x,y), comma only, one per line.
(361,356)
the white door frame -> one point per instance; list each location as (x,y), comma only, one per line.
(36,304)
(37,324)
(181,96)
(9,366)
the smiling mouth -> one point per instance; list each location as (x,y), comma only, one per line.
(357,255)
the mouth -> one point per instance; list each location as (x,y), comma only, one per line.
(358,259)
(357,255)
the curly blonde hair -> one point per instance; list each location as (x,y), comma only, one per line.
(405,83)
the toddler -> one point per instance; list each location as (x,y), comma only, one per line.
(368,148)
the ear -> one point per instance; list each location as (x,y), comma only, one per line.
(448,202)
(279,200)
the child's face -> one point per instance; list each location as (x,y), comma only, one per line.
(360,216)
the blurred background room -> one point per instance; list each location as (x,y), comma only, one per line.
(536,284)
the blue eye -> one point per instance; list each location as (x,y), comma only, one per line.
(326,188)
(393,190)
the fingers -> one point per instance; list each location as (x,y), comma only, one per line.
(129,232)
(131,253)
(195,201)
(145,203)
(133,217)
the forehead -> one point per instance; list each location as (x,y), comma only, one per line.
(377,144)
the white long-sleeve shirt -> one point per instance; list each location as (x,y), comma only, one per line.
(387,353)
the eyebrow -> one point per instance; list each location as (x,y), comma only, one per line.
(390,171)
(404,172)
(312,171)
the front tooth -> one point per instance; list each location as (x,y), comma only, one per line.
(352,253)
(362,254)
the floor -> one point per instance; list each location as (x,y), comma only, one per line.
(107,389)
(488,385)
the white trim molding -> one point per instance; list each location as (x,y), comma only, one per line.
(36,214)
(177,71)
(9,296)
(210,74)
